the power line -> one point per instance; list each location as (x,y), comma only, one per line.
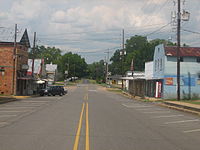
(157,10)
(110,49)
(158,29)
(99,32)
(186,30)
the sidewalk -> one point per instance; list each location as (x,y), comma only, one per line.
(193,108)
(6,99)
(179,105)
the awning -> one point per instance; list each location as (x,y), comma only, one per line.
(40,82)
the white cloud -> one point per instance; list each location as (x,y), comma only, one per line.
(27,9)
(3,15)
(103,17)
(79,21)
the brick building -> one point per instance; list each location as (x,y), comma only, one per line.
(13,65)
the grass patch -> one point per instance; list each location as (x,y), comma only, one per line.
(103,84)
(193,102)
(114,90)
(146,100)
(92,81)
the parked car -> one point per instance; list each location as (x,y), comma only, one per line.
(45,91)
(53,90)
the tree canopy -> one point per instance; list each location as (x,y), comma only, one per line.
(73,63)
(137,48)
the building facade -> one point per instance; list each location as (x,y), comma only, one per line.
(13,66)
(51,73)
(165,72)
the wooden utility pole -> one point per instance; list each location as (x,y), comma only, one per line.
(33,52)
(122,57)
(107,63)
(74,71)
(178,49)
(14,62)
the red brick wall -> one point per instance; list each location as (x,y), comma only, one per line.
(6,62)
(22,53)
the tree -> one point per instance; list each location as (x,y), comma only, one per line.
(50,54)
(71,62)
(97,71)
(74,64)
(116,66)
(140,50)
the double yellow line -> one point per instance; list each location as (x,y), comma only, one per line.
(78,133)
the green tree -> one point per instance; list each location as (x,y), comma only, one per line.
(74,64)
(50,54)
(140,50)
(97,71)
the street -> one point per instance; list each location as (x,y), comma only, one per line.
(91,118)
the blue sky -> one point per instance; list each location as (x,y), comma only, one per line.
(91,27)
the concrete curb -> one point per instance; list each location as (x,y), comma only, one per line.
(180,107)
(163,103)
(7,100)
(183,107)
(4,100)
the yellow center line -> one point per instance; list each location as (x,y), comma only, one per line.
(79,129)
(87,144)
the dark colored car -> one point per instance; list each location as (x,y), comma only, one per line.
(45,91)
(53,90)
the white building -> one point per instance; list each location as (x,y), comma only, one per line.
(163,79)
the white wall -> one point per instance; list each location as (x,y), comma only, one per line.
(189,65)
(159,59)
(149,70)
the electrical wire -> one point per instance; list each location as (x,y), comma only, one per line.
(158,29)
(195,32)
(157,10)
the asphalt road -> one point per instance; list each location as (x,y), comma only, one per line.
(90,118)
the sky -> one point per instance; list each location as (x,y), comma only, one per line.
(91,28)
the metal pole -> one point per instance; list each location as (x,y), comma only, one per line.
(33,52)
(74,71)
(14,62)
(107,63)
(178,49)
(122,57)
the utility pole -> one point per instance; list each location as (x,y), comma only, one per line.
(178,49)
(107,63)
(74,71)
(123,53)
(14,62)
(33,52)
